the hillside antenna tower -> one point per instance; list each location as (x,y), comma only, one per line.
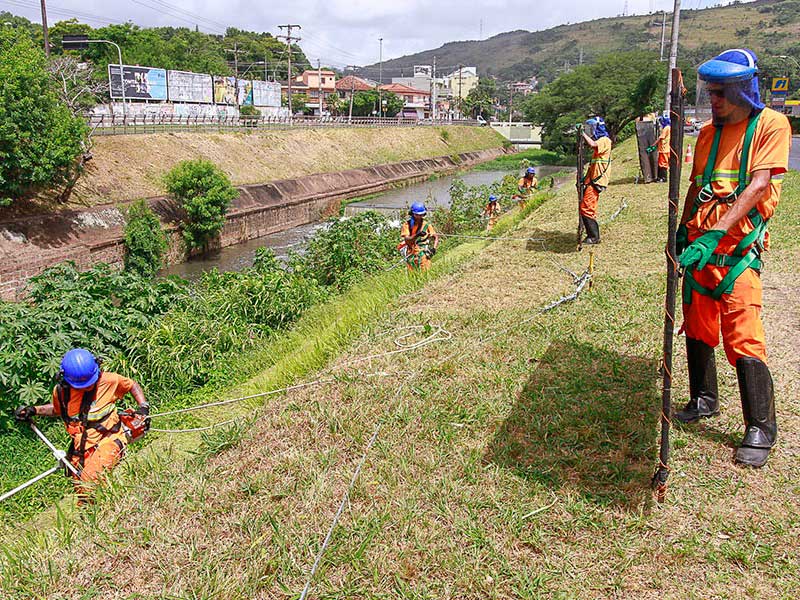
(289,39)
(480,36)
(625,9)
(673,51)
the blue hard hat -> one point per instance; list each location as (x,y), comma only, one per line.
(598,127)
(418,208)
(664,120)
(530,171)
(80,368)
(738,64)
(492,198)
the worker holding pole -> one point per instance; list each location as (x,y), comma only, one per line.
(596,180)
(740,160)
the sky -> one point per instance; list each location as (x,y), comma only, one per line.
(343,32)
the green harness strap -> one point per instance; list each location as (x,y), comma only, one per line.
(740,260)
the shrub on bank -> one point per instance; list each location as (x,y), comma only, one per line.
(205,194)
(145,241)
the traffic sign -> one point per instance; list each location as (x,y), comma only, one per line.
(780,84)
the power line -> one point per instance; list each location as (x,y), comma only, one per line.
(163,10)
(56,10)
(190,13)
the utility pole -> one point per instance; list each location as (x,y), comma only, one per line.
(352,90)
(663,31)
(510,105)
(580,56)
(673,51)
(266,64)
(433,91)
(289,39)
(319,81)
(46,32)
(380,78)
(460,100)
(236,52)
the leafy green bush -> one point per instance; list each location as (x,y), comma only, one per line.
(348,249)
(39,137)
(145,241)
(229,313)
(468,202)
(96,309)
(248,110)
(205,193)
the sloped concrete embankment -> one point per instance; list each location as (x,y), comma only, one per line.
(30,245)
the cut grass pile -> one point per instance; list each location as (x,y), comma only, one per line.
(512,461)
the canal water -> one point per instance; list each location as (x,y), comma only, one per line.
(432,192)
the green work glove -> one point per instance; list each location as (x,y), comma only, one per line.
(700,250)
(650,149)
(681,239)
(579,127)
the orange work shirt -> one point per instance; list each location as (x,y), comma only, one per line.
(663,140)
(110,388)
(528,183)
(769,150)
(598,173)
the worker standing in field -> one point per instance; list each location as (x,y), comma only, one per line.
(597,176)
(526,185)
(740,159)
(85,399)
(420,239)
(663,147)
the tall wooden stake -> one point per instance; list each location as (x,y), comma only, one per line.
(675,162)
(579,183)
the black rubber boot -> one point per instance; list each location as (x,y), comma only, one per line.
(662,174)
(758,409)
(592,231)
(703,394)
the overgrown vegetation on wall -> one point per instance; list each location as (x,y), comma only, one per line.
(145,241)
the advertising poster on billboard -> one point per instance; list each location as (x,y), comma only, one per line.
(224,90)
(267,93)
(183,86)
(141,83)
(245,92)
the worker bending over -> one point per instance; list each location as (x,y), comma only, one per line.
(420,239)
(526,185)
(85,399)
(491,212)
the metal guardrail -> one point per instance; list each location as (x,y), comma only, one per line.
(132,124)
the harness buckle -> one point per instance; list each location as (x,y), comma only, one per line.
(729,199)
(719,260)
(706,194)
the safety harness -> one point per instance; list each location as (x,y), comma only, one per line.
(593,181)
(747,253)
(63,392)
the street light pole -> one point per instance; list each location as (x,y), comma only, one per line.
(74,42)
(380,79)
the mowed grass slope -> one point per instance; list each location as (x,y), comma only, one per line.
(510,461)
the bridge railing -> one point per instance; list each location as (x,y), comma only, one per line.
(155,123)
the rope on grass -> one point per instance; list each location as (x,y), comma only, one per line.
(618,212)
(492,237)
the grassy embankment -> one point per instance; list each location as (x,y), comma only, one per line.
(127,167)
(511,465)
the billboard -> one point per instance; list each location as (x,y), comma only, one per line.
(183,86)
(141,83)
(224,90)
(267,93)
(245,91)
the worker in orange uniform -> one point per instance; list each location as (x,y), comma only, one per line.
(491,211)
(420,239)
(663,147)
(526,185)
(740,159)
(85,399)
(597,176)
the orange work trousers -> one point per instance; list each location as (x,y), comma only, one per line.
(98,459)
(663,160)
(588,206)
(736,315)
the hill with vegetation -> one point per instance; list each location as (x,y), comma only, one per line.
(765,25)
(179,48)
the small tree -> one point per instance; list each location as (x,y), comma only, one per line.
(205,193)
(39,137)
(145,242)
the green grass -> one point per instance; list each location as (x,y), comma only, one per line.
(536,156)
(514,461)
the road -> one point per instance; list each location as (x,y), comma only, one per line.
(794,157)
